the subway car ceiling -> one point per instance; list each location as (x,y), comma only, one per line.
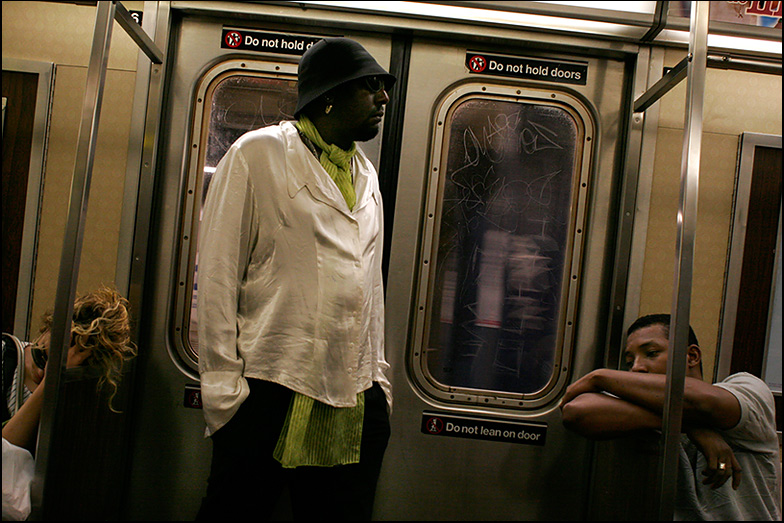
(649,23)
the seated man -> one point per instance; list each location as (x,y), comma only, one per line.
(729,426)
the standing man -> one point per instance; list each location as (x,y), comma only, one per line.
(729,427)
(291,303)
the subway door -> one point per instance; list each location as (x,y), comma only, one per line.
(225,79)
(498,281)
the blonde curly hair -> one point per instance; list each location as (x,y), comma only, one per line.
(101,323)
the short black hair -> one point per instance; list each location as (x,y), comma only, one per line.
(659,319)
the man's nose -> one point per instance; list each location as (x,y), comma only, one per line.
(638,366)
(382,97)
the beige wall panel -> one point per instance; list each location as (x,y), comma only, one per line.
(101,233)
(62,33)
(61,155)
(717,175)
(735,101)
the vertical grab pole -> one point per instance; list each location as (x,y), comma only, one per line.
(687,225)
(60,340)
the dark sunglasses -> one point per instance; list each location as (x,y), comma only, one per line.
(374,83)
(40,356)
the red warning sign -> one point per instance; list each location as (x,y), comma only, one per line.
(477,63)
(279,43)
(233,39)
(560,71)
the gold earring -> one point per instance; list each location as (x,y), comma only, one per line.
(328,109)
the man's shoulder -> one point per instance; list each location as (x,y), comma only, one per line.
(744,384)
(744,379)
(757,405)
(267,134)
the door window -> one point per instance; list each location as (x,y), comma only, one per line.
(500,264)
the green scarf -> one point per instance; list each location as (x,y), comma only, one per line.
(335,160)
(318,435)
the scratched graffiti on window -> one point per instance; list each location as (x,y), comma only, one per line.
(507,200)
(240,104)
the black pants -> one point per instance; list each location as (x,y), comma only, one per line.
(246,482)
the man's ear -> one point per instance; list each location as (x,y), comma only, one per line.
(693,356)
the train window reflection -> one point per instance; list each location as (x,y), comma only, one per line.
(503,243)
(234,102)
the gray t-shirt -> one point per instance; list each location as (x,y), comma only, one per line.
(755,445)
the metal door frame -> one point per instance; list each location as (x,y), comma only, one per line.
(35,179)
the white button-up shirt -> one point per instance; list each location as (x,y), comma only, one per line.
(289,279)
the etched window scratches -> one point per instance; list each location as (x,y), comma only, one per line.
(539,138)
(494,194)
(240,103)
(507,199)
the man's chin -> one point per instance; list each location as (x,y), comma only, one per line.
(368,133)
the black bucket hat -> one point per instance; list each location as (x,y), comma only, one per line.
(331,62)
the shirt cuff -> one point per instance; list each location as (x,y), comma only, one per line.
(222,393)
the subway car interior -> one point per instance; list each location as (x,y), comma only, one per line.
(550,171)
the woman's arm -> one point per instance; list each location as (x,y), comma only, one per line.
(22,428)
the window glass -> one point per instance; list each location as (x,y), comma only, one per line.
(504,234)
(235,104)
